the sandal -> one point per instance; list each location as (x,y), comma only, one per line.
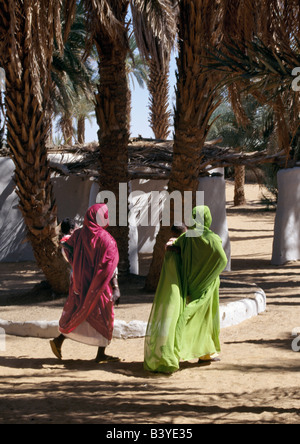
(106,358)
(203,361)
(56,350)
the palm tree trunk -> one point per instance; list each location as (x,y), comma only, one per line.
(66,124)
(194,107)
(27,125)
(159,100)
(239,185)
(81,129)
(113,116)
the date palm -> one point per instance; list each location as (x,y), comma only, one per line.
(203,27)
(262,60)
(136,67)
(73,78)
(156,48)
(107,25)
(256,135)
(28,29)
(109,31)
(85,110)
(195,104)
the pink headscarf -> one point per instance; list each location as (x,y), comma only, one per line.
(94,261)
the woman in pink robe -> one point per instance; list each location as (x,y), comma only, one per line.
(88,315)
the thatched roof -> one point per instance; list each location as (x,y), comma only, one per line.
(152,159)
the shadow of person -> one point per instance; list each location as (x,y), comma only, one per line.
(129,369)
(186,365)
(136,369)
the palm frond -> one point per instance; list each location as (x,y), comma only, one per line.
(72,74)
(155,28)
(136,67)
(266,73)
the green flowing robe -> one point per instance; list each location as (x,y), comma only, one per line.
(184,323)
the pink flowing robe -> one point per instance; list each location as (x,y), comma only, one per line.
(88,314)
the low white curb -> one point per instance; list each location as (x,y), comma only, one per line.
(134,329)
(49,329)
(231,314)
(34,329)
(239,311)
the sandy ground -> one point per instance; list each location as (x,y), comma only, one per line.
(256,381)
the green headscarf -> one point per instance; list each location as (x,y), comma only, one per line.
(201,221)
(202,212)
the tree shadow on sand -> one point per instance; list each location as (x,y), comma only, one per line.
(135,402)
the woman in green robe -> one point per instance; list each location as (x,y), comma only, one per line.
(184,323)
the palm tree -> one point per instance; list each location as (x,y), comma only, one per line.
(107,24)
(81,102)
(272,21)
(225,126)
(136,67)
(253,136)
(108,27)
(156,48)
(84,110)
(26,53)
(73,78)
(156,45)
(159,100)
(262,62)
(195,104)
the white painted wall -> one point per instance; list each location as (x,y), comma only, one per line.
(13,245)
(72,198)
(214,188)
(286,244)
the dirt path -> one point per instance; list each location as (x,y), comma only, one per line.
(257,379)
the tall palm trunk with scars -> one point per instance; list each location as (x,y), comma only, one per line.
(108,28)
(155,30)
(159,99)
(113,116)
(194,107)
(81,129)
(27,129)
(239,185)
